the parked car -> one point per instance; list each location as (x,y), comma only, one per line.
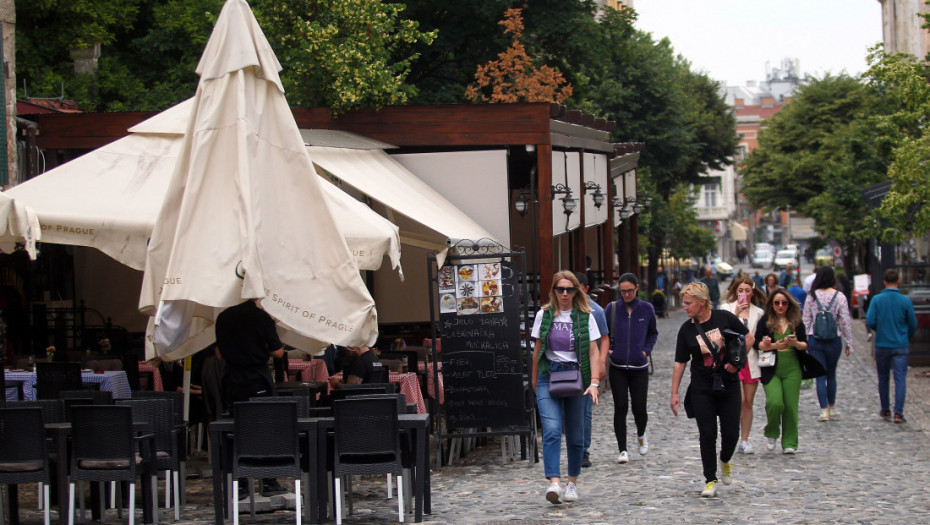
(783,258)
(796,248)
(723,269)
(762,258)
(823,257)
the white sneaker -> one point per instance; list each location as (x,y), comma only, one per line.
(624,457)
(710,490)
(833,412)
(770,443)
(571,493)
(554,493)
(789,451)
(747,447)
(727,476)
(824,415)
(643,446)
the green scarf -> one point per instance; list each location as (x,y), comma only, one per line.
(580,330)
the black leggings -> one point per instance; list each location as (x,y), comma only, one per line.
(708,406)
(636,381)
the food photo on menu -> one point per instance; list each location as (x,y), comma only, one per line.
(470,289)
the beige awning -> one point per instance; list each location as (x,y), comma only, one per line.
(738,231)
(436,223)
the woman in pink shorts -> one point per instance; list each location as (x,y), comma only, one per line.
(743,300)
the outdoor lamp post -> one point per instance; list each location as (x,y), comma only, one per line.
(598,195)
(568,202)
(522,204)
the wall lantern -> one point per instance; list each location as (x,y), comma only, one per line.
(522,204)
(598,196)
(568,203)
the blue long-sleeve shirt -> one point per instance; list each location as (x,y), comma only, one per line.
(891,316)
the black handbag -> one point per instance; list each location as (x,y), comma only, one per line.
(810,366)
(736,348)
(565,383)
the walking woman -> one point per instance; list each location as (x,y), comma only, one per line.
(742,300)
(566,335)
(714,392)
(781,331)
(825,297)
(632,325)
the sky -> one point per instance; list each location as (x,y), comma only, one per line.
(731,40)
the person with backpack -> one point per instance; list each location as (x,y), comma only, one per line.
(633,333)
(826,317)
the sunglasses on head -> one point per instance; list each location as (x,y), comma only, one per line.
(562,289)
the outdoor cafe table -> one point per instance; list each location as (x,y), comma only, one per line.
(313,371)
(410,387)
(115,382)
(157,385)
(313,443)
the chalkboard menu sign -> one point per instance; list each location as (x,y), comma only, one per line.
(479,319)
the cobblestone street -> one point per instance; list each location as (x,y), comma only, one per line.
(858,469)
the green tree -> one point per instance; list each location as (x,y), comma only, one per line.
(904,84)
(817,155)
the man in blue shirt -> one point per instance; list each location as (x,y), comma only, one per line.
(891,316)
(602,345)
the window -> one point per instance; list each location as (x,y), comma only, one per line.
(710,195)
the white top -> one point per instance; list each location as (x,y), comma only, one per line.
(752,355)
(561,344)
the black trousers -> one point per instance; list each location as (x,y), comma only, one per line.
(636,382)
(708,407)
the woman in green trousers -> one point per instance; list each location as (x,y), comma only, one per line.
(781,331)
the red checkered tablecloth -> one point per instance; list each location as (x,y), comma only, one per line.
(430,383)
(410,387)
(313,371)
(157,385)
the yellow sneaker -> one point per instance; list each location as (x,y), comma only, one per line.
(726,478)
(710,490)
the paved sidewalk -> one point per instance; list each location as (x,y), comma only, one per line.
(858,469)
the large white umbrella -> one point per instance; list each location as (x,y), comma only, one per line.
(109,199)
(240,218)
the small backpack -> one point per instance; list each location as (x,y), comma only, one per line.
(824,323)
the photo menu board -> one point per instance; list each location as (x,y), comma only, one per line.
(479,319)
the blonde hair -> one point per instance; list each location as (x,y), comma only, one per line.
(792,313)
(758,296)
(697,290)
(579,299)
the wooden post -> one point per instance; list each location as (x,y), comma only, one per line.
(544,217)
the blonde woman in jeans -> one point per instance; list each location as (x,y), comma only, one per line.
(566,337)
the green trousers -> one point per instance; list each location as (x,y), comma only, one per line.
(782,396)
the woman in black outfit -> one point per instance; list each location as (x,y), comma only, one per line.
(705,402)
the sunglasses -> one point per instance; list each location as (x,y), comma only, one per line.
(628,291)
(780,303)
(562,289)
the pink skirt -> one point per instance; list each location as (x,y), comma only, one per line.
(746,376)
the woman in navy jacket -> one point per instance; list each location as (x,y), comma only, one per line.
(632,325)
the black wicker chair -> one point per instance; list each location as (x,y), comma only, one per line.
(160,415)
(23,452)
(265,445)
(51,409)
(104,448)
(366,442)
(97,397)
(303,403)
(52,378)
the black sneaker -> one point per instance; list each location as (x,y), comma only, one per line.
(271,487)
(899,418)
(886,415)
(586,461)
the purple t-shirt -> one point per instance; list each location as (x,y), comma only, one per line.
(561,343)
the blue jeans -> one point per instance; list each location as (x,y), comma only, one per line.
(554,412)
(892,359)
(828,353)
(588,420)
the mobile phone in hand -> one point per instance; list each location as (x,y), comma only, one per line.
(742,298)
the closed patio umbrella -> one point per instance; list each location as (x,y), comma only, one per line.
(240,218)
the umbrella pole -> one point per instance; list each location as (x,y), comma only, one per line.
(182,479)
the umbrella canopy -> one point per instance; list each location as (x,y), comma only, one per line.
(240,218)
(109,199)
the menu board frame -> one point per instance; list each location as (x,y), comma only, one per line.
(479,304)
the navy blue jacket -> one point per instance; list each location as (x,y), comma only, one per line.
(635,333)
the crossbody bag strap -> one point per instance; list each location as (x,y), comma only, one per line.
(710,345)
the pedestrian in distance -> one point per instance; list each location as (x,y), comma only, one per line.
(891,317)
(632,326)
(714,392)
(827,320)
(602,345)
(713,287)
(566,337)
(781,331)
(743,300)
(771,283)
